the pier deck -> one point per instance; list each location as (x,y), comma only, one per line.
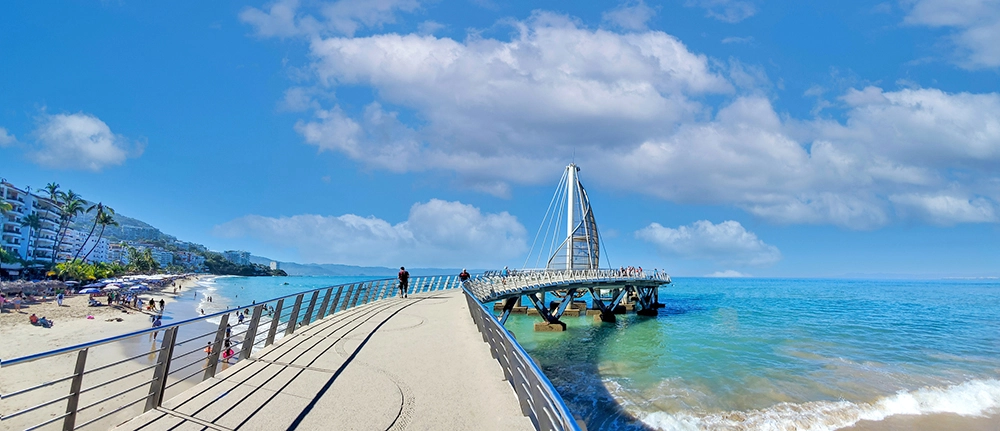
(416,363)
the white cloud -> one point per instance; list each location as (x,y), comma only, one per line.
(630,108)
(80,141)
(437,233)
(946,210)
(735,39)
(976,24)
(728,274)
(484,104)
(727,242)
(893,143)
(731,11)
(6,139)
(289,18)
(631,15)
(429,27)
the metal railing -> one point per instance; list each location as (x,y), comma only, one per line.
(103,390)
(493,286)
(539,400)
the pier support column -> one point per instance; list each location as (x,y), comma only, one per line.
(605,312)
(646,300)
(551,323)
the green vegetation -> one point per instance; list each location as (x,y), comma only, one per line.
(141,262)
(217,264)
(8,257)
(77,270)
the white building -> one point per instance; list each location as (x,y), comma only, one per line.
(73,245)
(275,266)
(27,242)
(237,257)
(163,257)
(189,260)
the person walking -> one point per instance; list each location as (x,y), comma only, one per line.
(162,304)
(156,324)
(59,298)
(404,282)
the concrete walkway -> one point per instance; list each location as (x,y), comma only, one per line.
(416,363)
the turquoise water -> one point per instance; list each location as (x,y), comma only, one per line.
(757,353)
(780,354)
(232,292)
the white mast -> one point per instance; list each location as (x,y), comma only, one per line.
(570,226)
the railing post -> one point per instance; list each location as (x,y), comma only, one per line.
(368,292)
(159,383)
(357,295)
(336,300)
(275,320)
(293,319)
(326,302)
(383,290)
(213,358)
(312,307)
(74,390)
(251,335)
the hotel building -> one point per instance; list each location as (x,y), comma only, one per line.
(30,244)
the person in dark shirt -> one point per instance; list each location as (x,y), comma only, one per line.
(464,276)
(404,282)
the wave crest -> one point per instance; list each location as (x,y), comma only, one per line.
(972,398)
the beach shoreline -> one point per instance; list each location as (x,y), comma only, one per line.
(73,323)
(76,323)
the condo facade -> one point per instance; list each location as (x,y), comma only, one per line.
(29,243)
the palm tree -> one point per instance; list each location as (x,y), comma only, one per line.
(101,210)
(5,206)
(32,221)
(54,192)
(71,205)
(104,219)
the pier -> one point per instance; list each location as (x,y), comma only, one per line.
(389,365)
(353,356)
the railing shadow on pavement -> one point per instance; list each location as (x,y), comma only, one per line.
(99,389)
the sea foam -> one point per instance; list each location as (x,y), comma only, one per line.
(972,398)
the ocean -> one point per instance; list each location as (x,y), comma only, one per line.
(767,354)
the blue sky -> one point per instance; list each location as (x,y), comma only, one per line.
(754,137)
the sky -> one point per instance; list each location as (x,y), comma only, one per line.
(715,137)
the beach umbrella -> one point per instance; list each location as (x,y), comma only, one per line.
(94,285)
(138,288)
(112,287)
(90,290)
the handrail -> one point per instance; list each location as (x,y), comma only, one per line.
(492,286)
(548,412)
(288,314)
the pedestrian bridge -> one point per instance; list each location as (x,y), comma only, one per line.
(607,289)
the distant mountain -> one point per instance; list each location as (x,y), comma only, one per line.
(333,269)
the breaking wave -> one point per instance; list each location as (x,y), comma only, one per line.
(972,398)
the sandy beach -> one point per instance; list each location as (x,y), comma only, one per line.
(72,326)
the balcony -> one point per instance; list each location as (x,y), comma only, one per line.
(13,230)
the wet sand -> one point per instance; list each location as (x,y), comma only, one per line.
(932,422)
